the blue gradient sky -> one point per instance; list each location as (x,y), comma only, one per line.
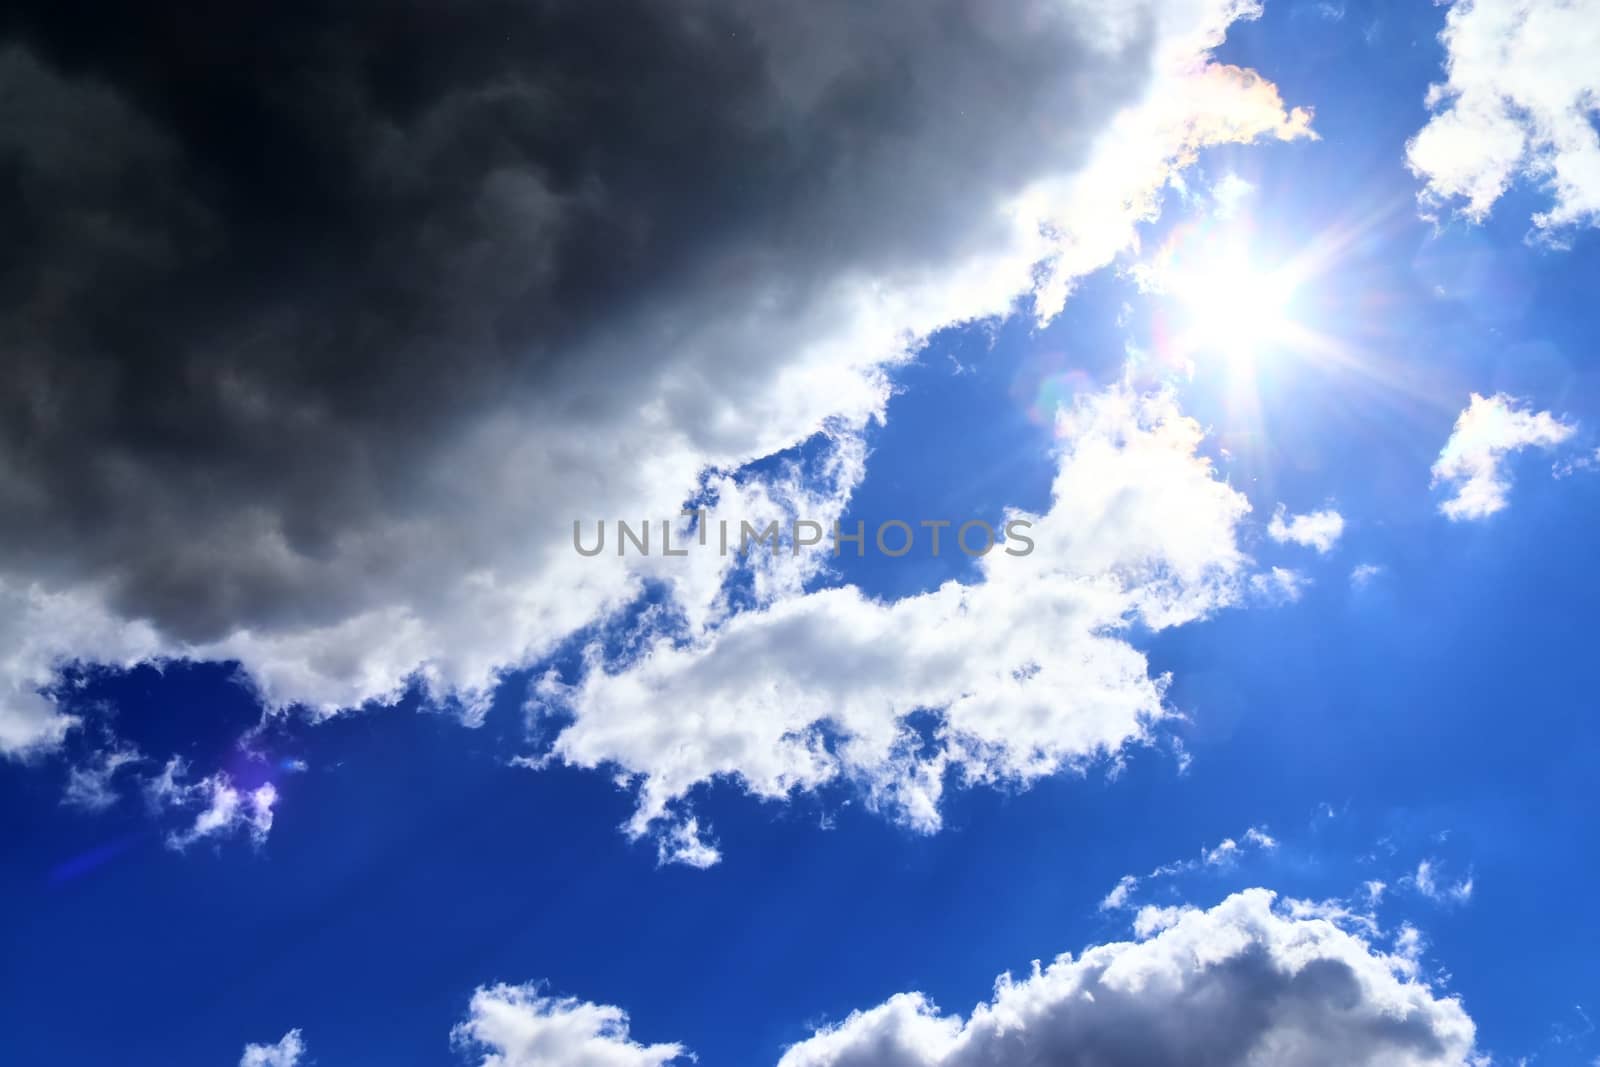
(1443,711)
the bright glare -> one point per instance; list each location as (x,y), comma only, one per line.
(1230,304)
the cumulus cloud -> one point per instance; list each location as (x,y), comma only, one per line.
(285,1053)
(1473,461)
(517,1026)
(1519,100)
(222,808)
(42,631)
(1246,983)
(315,377)
(1027,671)
(1320,530)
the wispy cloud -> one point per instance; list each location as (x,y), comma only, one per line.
(1363,574)
(1224,854)
(1427,881)
(223,808)
(89,785)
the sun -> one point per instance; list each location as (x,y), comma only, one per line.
(1229,304)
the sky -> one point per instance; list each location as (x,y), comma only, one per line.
(1239,355)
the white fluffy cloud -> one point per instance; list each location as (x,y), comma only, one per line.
(447,556)
(1027,670)
(1473,461)
(285,1053)
(517,1026)
(1519,99)
(1245,984)
(1320,530)
(41,631)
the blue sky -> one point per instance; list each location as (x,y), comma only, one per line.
(470,798)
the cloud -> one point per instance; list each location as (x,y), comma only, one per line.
(43,631)
(1118,897)
(1246,982)
(683,842)
(1473,463)
(1320,530)
(1341,913)
(516,1026)
(1362,574)
(315,378)
(1426,881)
(1518,101)
(1025,672)
(1253,980)
(223,807)
(1152,918)
(1568,467)
(1279,585)
(286,1053)
(1224,854)
(1260,838)
(1227,194)
(89,784)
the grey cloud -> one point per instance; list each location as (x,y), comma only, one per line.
(322,326)
(1241,984)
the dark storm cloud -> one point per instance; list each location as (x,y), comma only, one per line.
(266,258)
